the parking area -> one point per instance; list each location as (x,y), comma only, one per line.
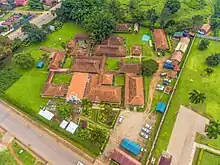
(129,128)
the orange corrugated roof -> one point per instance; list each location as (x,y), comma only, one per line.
(160,39)
(77,85)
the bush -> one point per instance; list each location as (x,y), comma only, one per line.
(149,67)
(7,78)
(23,60)
(213,60)
(203,44)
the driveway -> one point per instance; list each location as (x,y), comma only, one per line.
(187,124)
(39,141)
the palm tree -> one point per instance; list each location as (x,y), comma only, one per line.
(196,97)
(213,130)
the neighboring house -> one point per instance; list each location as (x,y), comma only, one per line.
(123,27)
(110,50)
(21,2)
(136,50)
(54,90)
(114,40)
(160,40)
(56,59)
(205,29)
(50,2)
(77,87)
(183,44)
(106,79)
(176,57)
(165,159)
(96,92)
(130,67)
(134,90)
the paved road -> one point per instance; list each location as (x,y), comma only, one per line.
(39,141)
(187,124)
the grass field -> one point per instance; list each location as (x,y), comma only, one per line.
(192,79)
(27,89)
(112,64)
(6,158)
(120,80)
(62,78)
(210,159)
(68,62)
(25,157)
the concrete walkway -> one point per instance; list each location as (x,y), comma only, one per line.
(188,123)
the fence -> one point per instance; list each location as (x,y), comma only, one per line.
(208,37)
(168,104)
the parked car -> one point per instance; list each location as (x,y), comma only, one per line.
(159,87)
(167,80)
(148,126)
(145,130)
(79,163)
(163,74)
(144,135)
(121,118)
(165,83)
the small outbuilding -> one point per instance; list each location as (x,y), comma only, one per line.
(205,29)
(165,159)
(178,34)
(136,50)
(40,64)
(161,107)
(136,27)
(71,128)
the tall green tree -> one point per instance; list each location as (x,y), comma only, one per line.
(100,24)
(213,60)
(197,97)
(64,110)
(24,60)
(152,17)
(34,33)
(213,130)
(203,44)
(149,67)
(138,16)
(6,47)
(36,4)
(114,7)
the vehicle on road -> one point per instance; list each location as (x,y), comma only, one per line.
(121,118)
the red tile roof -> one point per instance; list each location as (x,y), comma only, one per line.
(106,79)
(114,40)
(130,67)
(81,37)
(177,57)
(123,27)
(110,50)
(206,28)
(54,90)
(57,59)
(123,158)
(160,39)
(134,90)
(136,50)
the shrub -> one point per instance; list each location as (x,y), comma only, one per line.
(23,60)
(213,60)
(203,44)
(149,67)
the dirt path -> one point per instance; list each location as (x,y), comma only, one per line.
(14,155)
(154,82)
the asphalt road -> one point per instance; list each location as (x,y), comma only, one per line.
(38,140)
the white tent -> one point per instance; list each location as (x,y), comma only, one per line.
(46,114)
(64,124)
(71,127)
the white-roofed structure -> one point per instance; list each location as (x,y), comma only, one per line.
(71,128)
(46,114)
(63,124)
(183,44)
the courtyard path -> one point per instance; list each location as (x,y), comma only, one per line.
(155,80)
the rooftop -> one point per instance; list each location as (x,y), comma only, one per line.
(130,67)
(56,60)
(160,39)
(123,27)
(136,50)
(114,40)
(106,79)
(54,90)
(110,50)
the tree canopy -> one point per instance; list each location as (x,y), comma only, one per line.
(6,47)
(36,4)
(213,60)
(152,17)
(203,44)
(197,97)
(24,60)
(116,10)
(99,24)
(64,110)
(213,130)
(34,33)
(149,67)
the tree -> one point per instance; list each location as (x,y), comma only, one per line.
(116,10)
(98,135)
(203,44)
(24,60)
(100,24)
(138,16)
(5,47)
(149,67)
(197,97)
(133,5)
(213,130)
(34,33)
(213,60)
(152,17)
(64,110)
(197,21)
(86,104)
(36,4)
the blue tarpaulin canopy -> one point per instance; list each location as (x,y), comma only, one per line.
(178,34)
(145,37)
(131,146)
(161,107)
(40,64)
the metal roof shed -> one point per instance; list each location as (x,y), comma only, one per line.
(63,124)
(131,146)
(71,128)
(46,114)
(40,64)
(161,107)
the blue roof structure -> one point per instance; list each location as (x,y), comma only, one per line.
(178,34)
(161,107)
(168,66)
(40,64)
(145,37)
(131,146)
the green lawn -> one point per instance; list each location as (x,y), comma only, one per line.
(192,79)
(196,156)
(210,159)
(6,158)
(25,157)
(120,80)
(62,78)
(27,89)
(135,39)
(112,64)
(136,60)
(68,62)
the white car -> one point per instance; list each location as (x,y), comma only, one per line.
(148,126)
(79,163)
(144,135)
(121,118)
(145,130)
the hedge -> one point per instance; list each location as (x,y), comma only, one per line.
(200,157)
